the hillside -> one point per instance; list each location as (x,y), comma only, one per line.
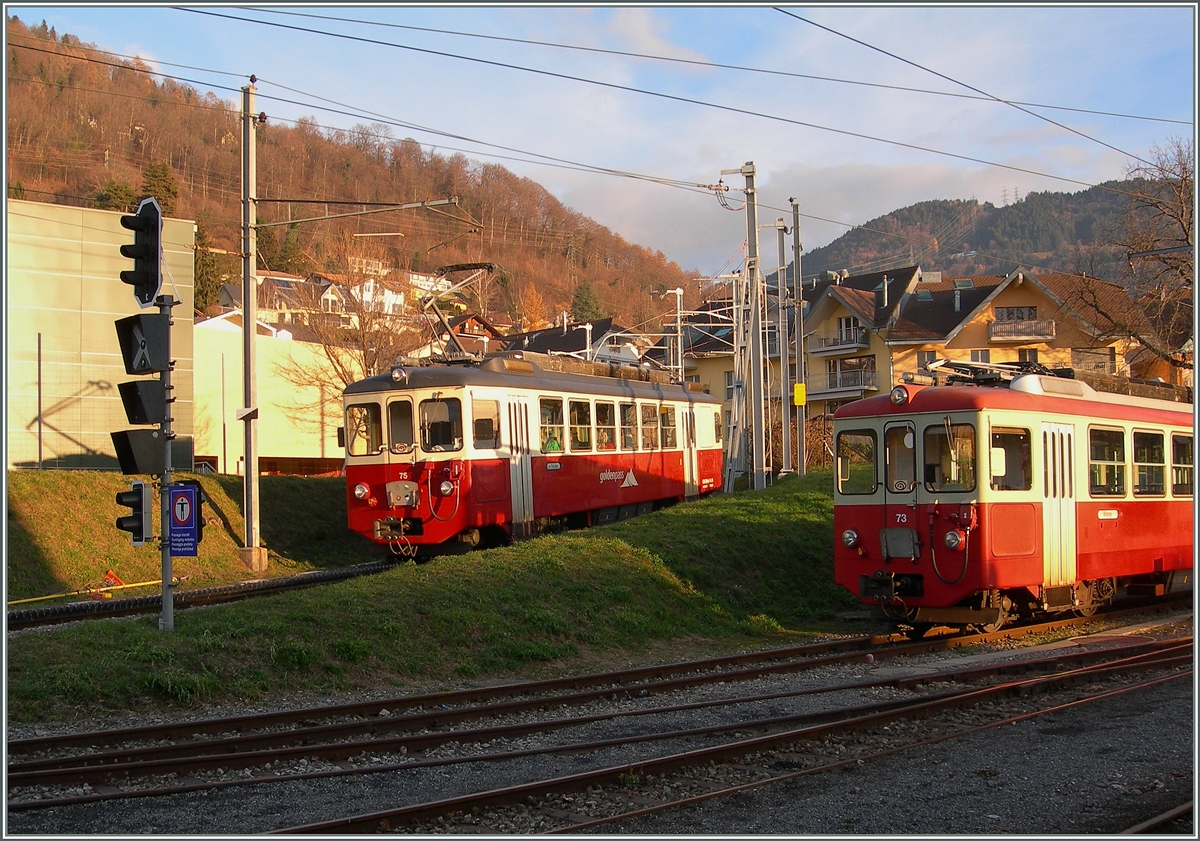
(1048,231)
(88,128)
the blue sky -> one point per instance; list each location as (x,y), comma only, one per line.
(808,138)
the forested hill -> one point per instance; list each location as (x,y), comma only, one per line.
(1048,231)
(91,129)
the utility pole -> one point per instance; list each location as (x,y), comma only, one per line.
(754,339)
(677,362)
(799,284)
(252,554)
(785,379)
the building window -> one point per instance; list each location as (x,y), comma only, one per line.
(847,329)
(981,355)
(1016,313)
(1027,354)
(729,385)
(924,357)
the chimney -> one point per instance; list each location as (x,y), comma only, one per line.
(958,300)
(885,292)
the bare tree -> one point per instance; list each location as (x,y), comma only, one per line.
(360,333)
(1158,236)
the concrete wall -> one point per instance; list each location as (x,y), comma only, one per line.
(62,281)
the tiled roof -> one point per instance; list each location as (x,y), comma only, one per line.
(935,319)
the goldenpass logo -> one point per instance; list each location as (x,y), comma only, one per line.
(626,477)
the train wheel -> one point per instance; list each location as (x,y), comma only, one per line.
(1085,594)
(919,630)
(997,600)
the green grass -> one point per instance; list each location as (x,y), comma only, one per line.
(731,570)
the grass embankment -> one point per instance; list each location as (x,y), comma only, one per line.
(731,569)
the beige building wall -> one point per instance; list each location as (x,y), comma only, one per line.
(293,430)
(62,283)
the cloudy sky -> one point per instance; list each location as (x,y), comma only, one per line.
(853,111)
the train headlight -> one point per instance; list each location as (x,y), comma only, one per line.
(849,538)
(447,488)
(955,539)
(361,491)
(899,395)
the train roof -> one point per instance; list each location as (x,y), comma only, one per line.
(513,372)
(1032,393)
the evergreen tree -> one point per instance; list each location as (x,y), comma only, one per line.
(116,195)
(207,280)
(158,181)
(290,257)
(586,306)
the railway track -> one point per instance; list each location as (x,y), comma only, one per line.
(110,608)
(414,732)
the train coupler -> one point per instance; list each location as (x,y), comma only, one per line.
(882,586)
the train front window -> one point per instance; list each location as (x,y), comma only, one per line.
(1148,463)
(1106,462)
(901,459)
(856,461)
(441,425)
(1181,465)
(950,457)
(581,425)
(1011,462)
(364,429)
(400,426)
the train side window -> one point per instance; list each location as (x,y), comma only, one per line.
(718,427)
(649,426)
(606,426)
(1106,462)
(1148,460)
(441,425)
(1181,465)
(486,423)
(629,423)
(552,424)
(1011,462)
(950,457)
(400,426)
(667,425)
(856,462)
(581,425)
(364,429)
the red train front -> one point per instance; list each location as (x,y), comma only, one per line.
(451,456)
(971,504)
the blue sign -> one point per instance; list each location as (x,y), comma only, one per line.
(184,531)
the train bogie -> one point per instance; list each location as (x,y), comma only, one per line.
(971,505)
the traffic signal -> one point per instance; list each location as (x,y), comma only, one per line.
(146,251)
(140,451)
(201,498)
(145,342)
(137,522)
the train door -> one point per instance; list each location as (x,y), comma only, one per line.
(520,462)
(900,536)
(1058,504)
(691,486)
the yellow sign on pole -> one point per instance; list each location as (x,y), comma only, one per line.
(799,397)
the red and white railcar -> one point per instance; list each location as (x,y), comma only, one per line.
(972,504)
(450,456)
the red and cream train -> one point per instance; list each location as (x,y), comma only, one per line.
(452,456)
(970,505)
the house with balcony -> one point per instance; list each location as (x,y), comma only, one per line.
(865,333)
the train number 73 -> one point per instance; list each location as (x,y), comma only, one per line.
(901,517)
